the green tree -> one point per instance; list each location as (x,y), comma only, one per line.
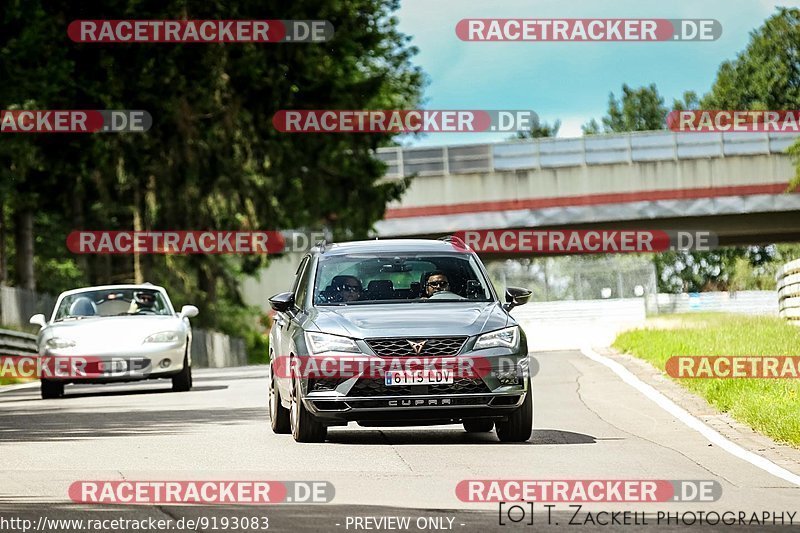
(539,130)
(639,109)
(212,159)
(765,75)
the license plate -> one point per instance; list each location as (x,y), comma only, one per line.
(418,377)
(116,365)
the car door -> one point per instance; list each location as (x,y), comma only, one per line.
(286,326)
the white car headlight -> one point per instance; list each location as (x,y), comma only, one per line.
(57,343)
(323,342)
(502,338)
(164,336)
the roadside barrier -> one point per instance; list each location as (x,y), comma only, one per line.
(788,278)
(15,342)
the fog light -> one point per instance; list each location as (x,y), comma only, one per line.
(507,378)
(165,363)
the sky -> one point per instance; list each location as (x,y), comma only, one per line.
(569,81)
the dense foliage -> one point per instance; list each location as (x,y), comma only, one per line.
(212,159)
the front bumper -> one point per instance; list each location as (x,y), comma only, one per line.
(494,395)
(159,360)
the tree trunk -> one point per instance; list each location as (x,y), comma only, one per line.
(3,263)
(23,239)
(78,216)
(137,227)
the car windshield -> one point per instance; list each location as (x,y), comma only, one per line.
(112,302)
(366,279)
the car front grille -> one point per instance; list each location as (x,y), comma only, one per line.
(403,347)
(377,387)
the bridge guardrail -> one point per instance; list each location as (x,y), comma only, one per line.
(788,278)
(15,342)
(586,150)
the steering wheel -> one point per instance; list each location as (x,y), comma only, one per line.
(445,295)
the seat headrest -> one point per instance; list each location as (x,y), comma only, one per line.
(83,306)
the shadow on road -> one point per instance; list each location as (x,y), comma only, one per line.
(84,393)
(32,394)
(27,425)
(454,435)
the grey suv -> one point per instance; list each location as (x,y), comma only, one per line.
(397,332)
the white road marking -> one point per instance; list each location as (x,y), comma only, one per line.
(692,422)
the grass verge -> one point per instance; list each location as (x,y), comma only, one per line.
(770,406)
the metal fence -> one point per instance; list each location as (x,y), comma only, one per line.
(577,277)
(789,291)
(744,302)
(17,305)
(15,342)
(212,349)
(587,150)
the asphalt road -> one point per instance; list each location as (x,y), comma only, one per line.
(589,425)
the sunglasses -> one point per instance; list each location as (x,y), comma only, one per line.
(438,284)
(351,288)
(146,298)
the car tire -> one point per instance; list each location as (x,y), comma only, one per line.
(305,426)
(478,425)
(519,426)
(182,381)
(52,389)
(279,416)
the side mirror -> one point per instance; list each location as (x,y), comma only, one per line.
(38,320)
(282,302)
(189,311)
(516,296)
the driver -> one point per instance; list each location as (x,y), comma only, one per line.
(143,301)
(348,289)
(435,281)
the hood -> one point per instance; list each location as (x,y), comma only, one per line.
(413,318)
(111,331)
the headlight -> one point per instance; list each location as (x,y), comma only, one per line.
(56,343)
(164,336)
(502,338)
(323,342)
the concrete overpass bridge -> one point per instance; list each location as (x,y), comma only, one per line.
(732,184)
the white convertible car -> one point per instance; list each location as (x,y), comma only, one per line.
(115,333)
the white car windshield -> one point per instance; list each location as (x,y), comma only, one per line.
(112,302)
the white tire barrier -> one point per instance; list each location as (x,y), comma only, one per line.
(788,278)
